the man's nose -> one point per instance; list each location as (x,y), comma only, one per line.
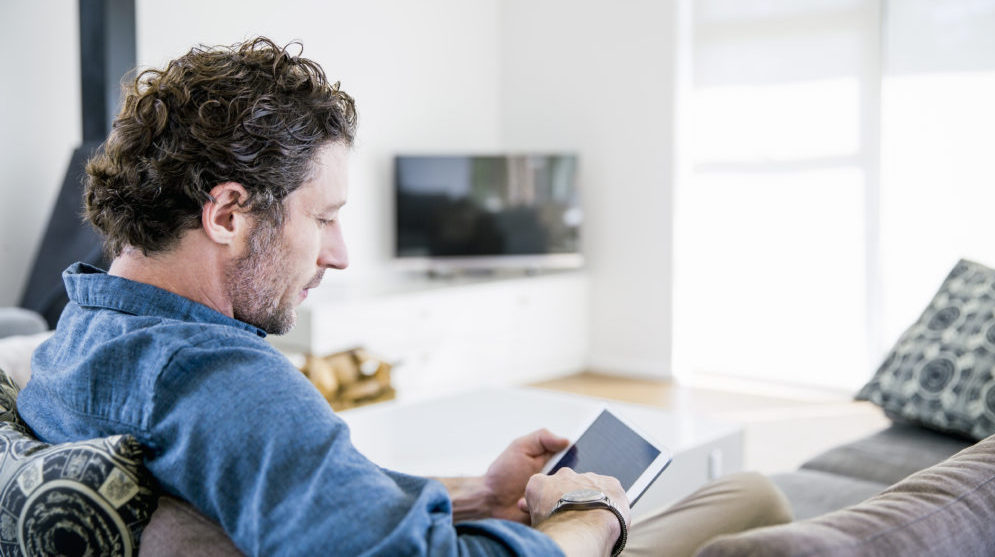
(334,254)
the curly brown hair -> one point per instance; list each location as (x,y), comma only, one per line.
(251,113)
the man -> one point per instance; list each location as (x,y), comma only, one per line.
(219,192)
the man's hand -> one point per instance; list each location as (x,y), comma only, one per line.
(578,532)
(506,478)
(500,493)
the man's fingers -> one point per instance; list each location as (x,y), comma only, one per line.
(540,443)
(552,443)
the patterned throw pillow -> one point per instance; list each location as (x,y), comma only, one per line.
(85,498)
(941,372)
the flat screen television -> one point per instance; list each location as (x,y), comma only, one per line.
(457,212)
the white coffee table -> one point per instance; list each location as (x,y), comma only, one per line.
(461,435)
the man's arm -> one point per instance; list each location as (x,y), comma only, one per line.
(257,449)
(500,492)
(592,532)
(513,489)
(579,532)
(471,498)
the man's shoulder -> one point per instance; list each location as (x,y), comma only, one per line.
(167,347)
(178,334)
(142,344)
(111,371)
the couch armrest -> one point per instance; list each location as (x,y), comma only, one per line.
(947,509)
(18,321)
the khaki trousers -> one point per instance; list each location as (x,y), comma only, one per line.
(728,505)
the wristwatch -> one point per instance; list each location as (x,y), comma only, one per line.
(587,499)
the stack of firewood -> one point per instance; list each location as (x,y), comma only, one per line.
(349,379)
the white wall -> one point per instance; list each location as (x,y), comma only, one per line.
(599,78)
(39,126)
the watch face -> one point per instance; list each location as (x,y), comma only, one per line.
(582,496)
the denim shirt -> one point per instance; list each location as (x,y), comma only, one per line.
(235,430)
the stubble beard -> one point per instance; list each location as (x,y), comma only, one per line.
(257,280)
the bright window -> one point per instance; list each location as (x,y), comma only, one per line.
(772,205)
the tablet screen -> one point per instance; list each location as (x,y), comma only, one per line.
(610,448)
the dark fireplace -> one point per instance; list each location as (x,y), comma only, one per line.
(107,55)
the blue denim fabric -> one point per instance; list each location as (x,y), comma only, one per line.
(235,429)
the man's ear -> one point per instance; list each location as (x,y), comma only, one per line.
(225,217)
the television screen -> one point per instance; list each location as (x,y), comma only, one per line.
(486,206)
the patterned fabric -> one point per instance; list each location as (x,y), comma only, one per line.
(86,498)
(8,401)
(941,373)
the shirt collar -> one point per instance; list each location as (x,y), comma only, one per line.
(89,286)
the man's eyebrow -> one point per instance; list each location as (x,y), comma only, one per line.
(333,207)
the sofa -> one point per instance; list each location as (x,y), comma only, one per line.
(946,509)
(851,473)
(925,485)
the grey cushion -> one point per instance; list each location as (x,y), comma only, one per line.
(15,355)
(947,509)
(940,372)
(888,456)
(814,493)
(17,321)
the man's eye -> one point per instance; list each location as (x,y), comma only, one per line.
(324,222)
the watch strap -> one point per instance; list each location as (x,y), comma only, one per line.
(606,504)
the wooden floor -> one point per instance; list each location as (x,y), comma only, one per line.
(781,430)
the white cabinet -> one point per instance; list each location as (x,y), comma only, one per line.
(447,336)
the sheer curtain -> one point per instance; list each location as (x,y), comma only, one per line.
(938,148)
(776,201)
(837,158)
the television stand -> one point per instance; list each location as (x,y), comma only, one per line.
(444,336)
(450,274)
(487,273)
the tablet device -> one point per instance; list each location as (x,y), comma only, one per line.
(611,446)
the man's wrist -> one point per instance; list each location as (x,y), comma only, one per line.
(470,496)
(580,531)
(592,499)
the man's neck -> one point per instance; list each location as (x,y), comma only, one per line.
(187,269)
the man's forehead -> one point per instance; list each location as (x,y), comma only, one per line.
(321,195)
(326,187)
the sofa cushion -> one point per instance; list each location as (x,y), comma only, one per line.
(888,456)
(177,528)
(19,321)
(947,509)
(15,355)
(84,498)
(941,372)
(814,493)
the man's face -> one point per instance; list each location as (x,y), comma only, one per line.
(281,264)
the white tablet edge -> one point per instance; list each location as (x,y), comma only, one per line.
(649,474)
